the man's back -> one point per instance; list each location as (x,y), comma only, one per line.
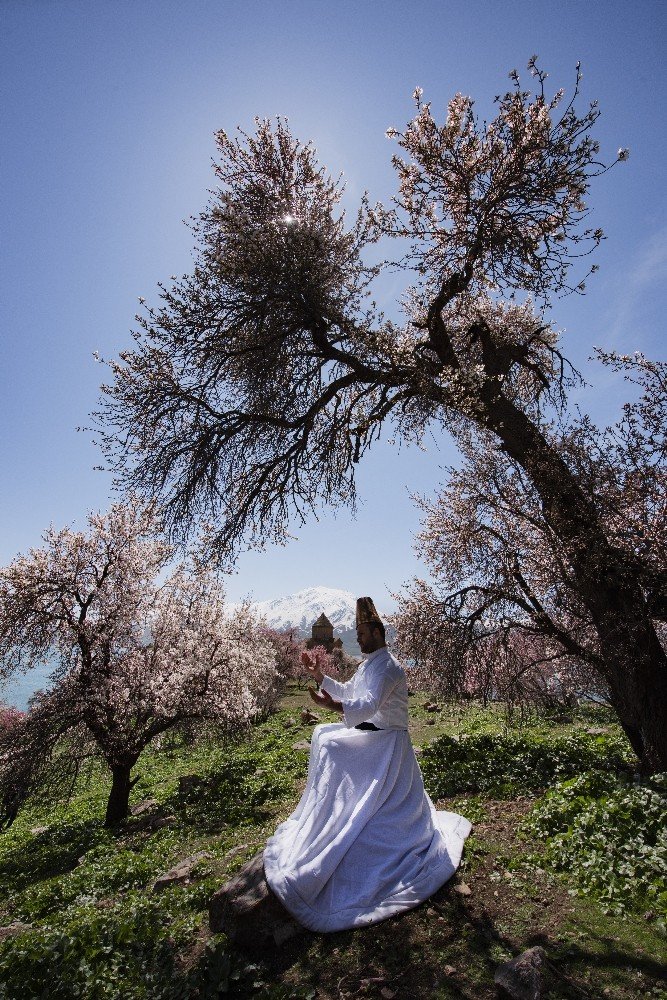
(377,693)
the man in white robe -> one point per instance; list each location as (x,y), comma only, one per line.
(365,841)
(377,696)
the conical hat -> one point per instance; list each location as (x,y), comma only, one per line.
(366,613)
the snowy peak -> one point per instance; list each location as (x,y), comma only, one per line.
(300,610)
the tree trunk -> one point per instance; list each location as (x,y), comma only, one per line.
(635,661)
(119,797)
(638,683)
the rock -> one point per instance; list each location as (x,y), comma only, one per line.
(36,830)
(463,889)
(308,716)
(432,707)
(143,807)
(289,723)
(450,970)
(180,873)
(301,745)
(161,821)
(16,927)
(188,782)
(247,911)
(149,818)
(233,851)
(596,731)
(522,978)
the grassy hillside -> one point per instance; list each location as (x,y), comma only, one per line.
(579,871)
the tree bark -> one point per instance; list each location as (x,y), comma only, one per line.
(635,661)
(119,796)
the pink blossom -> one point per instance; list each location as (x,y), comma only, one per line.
(142,645)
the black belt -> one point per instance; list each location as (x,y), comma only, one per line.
(368,725)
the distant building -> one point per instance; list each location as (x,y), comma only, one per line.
(322,635)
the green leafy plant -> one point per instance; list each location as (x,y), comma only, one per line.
(503,764)
(126,950)
(611,837)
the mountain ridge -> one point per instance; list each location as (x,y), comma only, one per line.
(300,610)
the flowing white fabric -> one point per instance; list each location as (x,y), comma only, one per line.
(365,841)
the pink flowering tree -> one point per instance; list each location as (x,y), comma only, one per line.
(502,611)
(287,648)
(337,663)
(515,666)
(260,380)
(139,647)
(9,717)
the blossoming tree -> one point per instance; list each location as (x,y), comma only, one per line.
(264,376)
(503,611)
(136,652)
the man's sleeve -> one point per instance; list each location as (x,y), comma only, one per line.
(379,684)
(337,689)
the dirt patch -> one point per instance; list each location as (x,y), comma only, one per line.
(452,944)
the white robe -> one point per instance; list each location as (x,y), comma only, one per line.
(365,841)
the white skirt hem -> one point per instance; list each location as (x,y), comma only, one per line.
(365,841)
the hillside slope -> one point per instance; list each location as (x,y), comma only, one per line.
(92,924)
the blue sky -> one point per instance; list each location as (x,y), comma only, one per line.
(107,137)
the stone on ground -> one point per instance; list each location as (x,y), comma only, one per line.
(148,805)
(187,783)
(248,912)
(522,978)
(16,927)
(180,873)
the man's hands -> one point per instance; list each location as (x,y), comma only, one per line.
(324,700)
(311,661)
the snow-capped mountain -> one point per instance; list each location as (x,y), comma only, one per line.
(299,611)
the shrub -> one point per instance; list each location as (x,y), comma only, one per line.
(503,764)
(120,952)
(611,836)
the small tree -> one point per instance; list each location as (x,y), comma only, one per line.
(287,648)
(266,374)
(9,717)
(134,656)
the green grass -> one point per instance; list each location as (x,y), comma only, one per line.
(98,930)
